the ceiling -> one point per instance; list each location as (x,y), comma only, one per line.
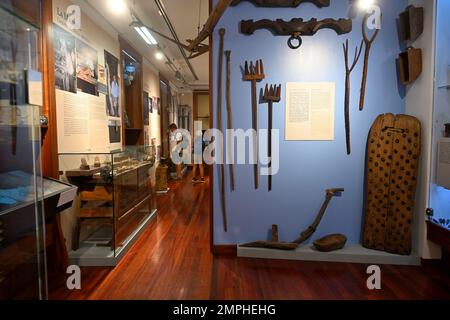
(184,15)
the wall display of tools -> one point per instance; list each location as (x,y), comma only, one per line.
(348,70)
(219,127)
(392,165)
(255,73)
(410,65)
(229,112)
(274,243)
(296,28)
(271,95)
(367,46)
(411,23)
(283,3)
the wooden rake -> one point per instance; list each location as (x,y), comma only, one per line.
(255,73)
(271,94)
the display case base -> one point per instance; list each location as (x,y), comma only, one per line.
(349,254)
(97,256)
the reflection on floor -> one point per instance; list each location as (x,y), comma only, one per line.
(172,260)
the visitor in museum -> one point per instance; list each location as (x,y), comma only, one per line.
(175,138)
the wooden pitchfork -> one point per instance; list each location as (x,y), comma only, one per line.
(348,71)
(271,95)
(368,45)
(255,73)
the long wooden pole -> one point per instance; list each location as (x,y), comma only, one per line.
(230,114)
(219,127)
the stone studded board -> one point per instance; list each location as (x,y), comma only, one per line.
(391,176)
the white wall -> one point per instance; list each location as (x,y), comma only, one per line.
(419,103)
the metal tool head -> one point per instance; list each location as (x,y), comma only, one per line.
(254,72)
(272,93)
(336,192)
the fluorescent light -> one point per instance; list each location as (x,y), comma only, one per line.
(365,4)
(149,35)
(145,34)
(117,6)
(159,55)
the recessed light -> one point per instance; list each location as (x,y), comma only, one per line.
(159,55)
(117,6)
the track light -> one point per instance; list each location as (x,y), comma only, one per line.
(159,55)
(145,34)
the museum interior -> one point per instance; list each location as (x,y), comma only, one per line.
(224,149)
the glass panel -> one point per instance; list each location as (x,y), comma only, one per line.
(440,187)
(114,198)
(22,241)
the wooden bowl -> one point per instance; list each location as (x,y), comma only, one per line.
(331,243)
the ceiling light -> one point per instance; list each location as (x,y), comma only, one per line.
(145,34)
(149,35)
(117,6)
(159,55)
(365,4)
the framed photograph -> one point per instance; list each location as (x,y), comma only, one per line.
(112,79)
(87,68)
(146,109)
(65,60)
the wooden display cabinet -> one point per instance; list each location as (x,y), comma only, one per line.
(115,196)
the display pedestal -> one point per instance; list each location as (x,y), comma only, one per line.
(349,254)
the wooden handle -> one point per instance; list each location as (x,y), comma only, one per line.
(230,114)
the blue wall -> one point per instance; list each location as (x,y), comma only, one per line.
(306,168)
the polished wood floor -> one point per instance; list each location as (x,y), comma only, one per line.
(172,260)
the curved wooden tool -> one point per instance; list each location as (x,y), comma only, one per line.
(271,95)
(305,235)
(297,27)
(329,194)
(255,73)
(348,71)
(368,45)
(283,3)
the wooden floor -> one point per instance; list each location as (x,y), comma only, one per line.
(172,260)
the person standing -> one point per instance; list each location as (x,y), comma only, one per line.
(198,158)
(175,138)
(115,96)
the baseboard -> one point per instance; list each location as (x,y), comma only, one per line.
(225,249)
(443,263)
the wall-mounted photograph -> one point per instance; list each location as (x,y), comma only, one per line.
(65,60)
(87,72)
(112,78)
(146,109)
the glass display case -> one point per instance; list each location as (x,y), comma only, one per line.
(439,202)
(115,198)
(22,220)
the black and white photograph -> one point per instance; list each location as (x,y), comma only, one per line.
(87,68)
(65,60)
(112,77)
(150,105)
(114,131)
(146,109)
